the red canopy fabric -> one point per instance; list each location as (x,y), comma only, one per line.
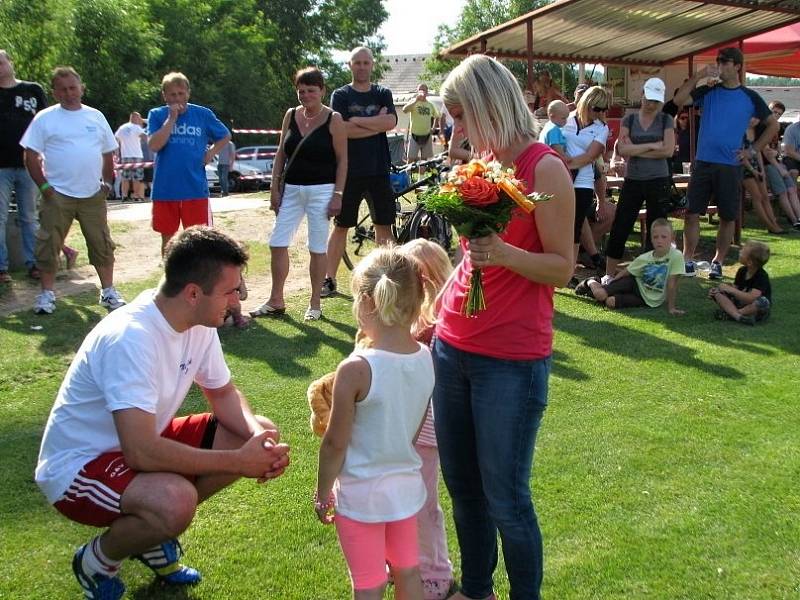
(775,53)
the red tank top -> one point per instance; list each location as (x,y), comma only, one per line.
(518,321)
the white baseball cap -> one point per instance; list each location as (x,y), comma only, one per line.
(654,89)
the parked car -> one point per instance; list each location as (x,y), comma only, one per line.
(241,177)
(260,157)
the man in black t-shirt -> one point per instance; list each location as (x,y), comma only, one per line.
(19,102)
(368,112)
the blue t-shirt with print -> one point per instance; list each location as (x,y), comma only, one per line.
(180,171)
(726,116)
(552,135)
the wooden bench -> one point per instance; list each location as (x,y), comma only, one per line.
(675,214)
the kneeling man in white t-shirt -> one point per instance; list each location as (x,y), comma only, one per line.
(115,456)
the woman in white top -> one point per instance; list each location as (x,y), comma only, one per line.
(586,133)
(369,473)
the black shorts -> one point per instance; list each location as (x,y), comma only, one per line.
(722,182)
(790,163)
(583,204)
(378,192)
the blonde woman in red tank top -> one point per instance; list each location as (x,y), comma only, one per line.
(492,369)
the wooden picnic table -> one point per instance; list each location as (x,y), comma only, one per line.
(680,180)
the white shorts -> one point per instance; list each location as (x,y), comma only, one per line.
(299,200)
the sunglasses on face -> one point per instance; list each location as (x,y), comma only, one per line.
(599,108)
(683,118)
(722,61)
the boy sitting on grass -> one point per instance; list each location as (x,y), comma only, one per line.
(749,299)
(651,277)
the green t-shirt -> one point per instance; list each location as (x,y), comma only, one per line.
(652,272)
(422,116)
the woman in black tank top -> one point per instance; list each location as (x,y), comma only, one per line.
(308,177)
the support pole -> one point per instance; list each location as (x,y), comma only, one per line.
(529,53)
(737,232)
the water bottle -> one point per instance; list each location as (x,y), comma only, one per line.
(703,265)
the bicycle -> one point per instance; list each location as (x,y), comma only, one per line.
(412,221)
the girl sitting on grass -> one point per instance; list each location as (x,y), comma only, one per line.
(369,473)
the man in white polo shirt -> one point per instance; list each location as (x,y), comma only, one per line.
(78,146)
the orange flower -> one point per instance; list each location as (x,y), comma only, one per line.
(518,197)
(475,168)
(478,192)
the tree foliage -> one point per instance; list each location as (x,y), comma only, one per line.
(240,57)
(480,15)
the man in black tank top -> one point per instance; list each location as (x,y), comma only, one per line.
(368,111)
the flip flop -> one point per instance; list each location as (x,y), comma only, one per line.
(265,310)
(312,314)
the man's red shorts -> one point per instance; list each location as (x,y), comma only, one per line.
(95,494)
(169,215)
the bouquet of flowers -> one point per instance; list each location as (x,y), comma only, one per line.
(479,198)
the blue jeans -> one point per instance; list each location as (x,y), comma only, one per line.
(222,173)
(487,413)
(18,180)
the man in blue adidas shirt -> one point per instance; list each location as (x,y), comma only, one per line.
(179,133)
(727,107)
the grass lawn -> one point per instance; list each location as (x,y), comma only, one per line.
(667,464)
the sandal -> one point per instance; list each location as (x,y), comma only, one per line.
(312,314)
(266,310)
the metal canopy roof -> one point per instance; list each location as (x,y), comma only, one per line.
(628,32)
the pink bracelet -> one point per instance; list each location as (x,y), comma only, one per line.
(326,506)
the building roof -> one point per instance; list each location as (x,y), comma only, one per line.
(629,32)
(789,95)
(403,73)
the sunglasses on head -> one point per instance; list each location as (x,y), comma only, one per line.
(599,108)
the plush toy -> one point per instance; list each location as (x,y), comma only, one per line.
(320,397)
(320,392)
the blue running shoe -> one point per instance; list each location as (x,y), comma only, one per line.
(97,586)
(164,561)
(691,268)
(716,271)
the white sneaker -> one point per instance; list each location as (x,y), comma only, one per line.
(111,299)
(606,279)
(45,303)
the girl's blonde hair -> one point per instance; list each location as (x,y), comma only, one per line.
(494,108)
(434,267)
(594,96)
(393,282)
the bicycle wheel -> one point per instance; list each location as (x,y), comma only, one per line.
(362,240)
(430,227)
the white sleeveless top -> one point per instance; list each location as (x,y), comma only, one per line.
(381,480)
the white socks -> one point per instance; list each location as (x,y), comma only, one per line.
(94,561)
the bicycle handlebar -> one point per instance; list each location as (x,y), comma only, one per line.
(438,160)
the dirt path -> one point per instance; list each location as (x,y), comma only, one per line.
(247,218)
